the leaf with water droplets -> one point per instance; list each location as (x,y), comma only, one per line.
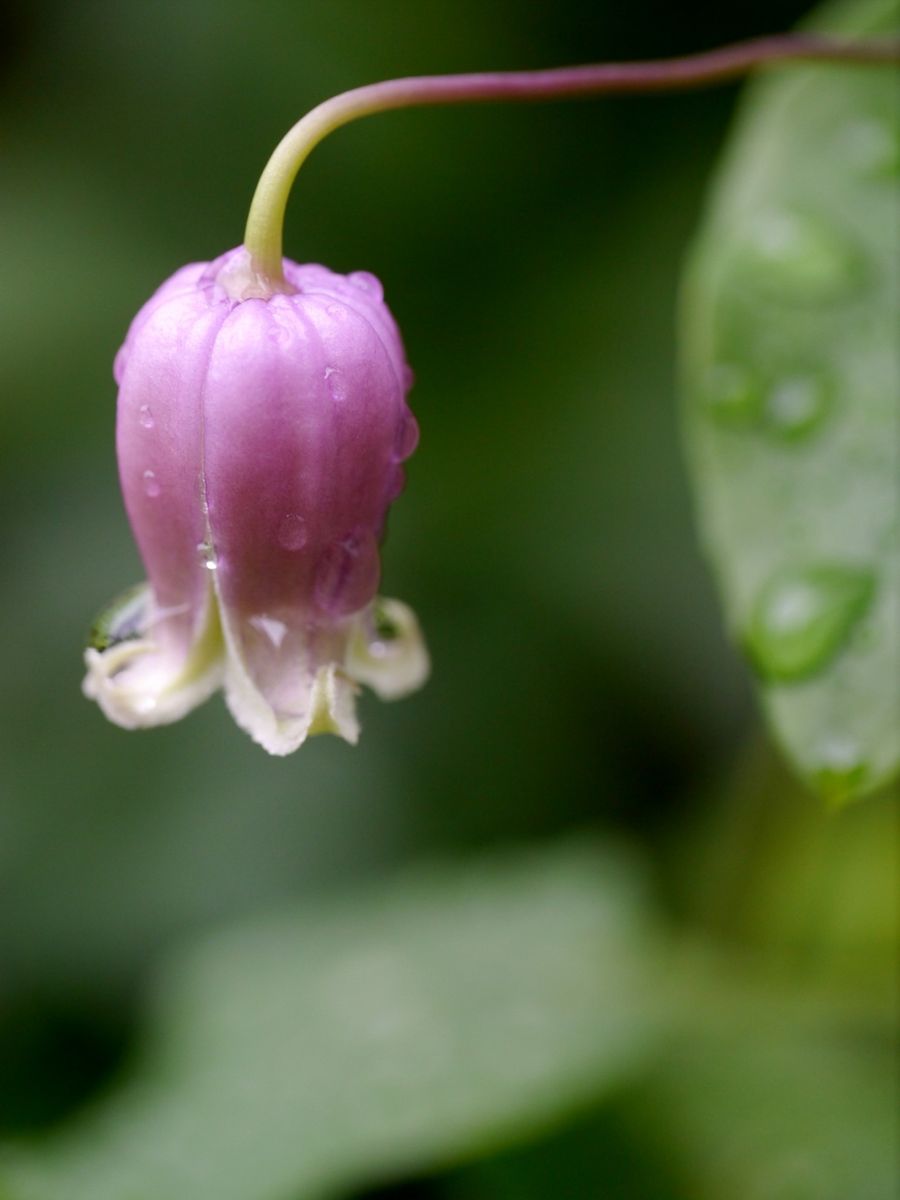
(792,383)
(310,1052)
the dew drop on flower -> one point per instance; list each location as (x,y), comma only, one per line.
(871,146)
(292,532)
(151,485)
(337,385)
(407,437)
(145,416)
(367,282)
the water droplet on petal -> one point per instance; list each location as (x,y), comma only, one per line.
(803,616)
(367,282)
(337,384)
(732,395)
(151,485)
(407,437)
(797,405)
(292,532)
(280,334)
(207,555)
(145,416)
(396,483)
(800,258)
(347,574)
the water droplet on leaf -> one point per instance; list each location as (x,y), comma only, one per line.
(797,405)
(841,770)
(800,258)
(803,616)
(732,395)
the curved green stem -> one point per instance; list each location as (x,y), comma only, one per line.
(263,235)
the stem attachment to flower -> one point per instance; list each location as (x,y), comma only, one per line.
(263,235)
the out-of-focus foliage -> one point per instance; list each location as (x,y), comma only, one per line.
(792,312)
(532,256)
(304,1052)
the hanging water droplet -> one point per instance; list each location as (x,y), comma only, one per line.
(395,484)
(367,282)
(145,416)
(292,532)
(839,769)
(798,257)
(151,485)
(797,405)
(337,384)
(803,616)
(347,573)
(207,555)
(732,394)
(407,437)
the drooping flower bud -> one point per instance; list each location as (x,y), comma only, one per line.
(260,440)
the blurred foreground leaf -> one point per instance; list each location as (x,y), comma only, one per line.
(771,1107)
(309,1051)
(792,371)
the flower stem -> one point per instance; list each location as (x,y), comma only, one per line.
(263,235)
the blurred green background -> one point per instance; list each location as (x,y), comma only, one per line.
(582,682)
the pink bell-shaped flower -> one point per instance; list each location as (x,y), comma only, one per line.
(260,440)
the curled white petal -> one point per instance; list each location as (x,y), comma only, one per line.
(139,684)
(386,650)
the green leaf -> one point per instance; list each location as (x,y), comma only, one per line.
(417,1024)
(792,382)
(771,1107)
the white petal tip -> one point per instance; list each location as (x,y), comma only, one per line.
(137,687)
(331,708)
(387,652)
